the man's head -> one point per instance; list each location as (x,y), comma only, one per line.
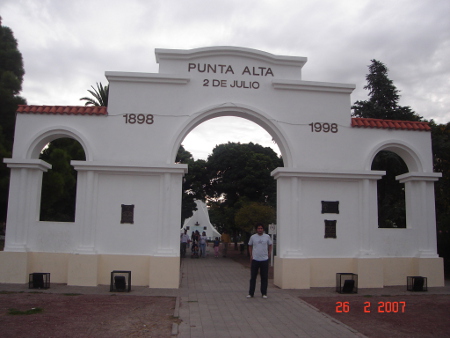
(259,229)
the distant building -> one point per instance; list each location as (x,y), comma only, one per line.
(200,221)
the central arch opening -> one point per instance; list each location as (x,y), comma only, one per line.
(230,160)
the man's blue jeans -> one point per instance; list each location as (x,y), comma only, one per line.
(263,268)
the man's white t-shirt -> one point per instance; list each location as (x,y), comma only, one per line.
(260,244)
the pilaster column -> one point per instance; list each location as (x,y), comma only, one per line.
(24,200)
(420,209)
(170,216)
(289,225)
(368,214)
(86,212)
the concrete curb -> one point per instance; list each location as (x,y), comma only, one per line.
(176,314)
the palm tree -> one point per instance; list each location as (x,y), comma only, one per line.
(100,96)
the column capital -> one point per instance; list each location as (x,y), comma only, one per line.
(417,176)
(27,164)
(129,168)
(336,174)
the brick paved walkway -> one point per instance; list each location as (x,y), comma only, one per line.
(213,303)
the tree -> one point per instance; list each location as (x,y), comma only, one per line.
(221,216)
(390,192)
(239,174)
(11,77)
(254,213)
(384,97)
(441,155)
(250,215)
(4,178)
(194,183)
(100,96)
(238,170)
(59,184)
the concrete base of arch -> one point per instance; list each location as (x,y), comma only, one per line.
(90,270)
(304,273)
(13,267)
(164,272)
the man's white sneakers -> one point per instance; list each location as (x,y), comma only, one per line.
(250,296)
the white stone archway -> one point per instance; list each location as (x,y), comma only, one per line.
(131,146)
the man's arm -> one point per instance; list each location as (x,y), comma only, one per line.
(270,250)
(250,250)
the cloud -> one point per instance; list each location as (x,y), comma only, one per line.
(68,45)
(223,130)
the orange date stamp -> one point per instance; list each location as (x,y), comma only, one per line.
(379,307)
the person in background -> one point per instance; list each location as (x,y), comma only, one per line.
(184,241)
(226,240)
(216,247)
(203,242)
(195,238)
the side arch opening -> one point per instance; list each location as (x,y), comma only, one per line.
(59,184)
(58,146)
(390,192)
(396,158)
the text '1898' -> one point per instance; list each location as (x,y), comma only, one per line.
(138,118)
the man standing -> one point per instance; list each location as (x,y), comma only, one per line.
(226,240)
(260,248)
(184,240)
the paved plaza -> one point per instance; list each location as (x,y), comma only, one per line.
(213,303)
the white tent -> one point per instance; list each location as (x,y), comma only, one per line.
(200,221)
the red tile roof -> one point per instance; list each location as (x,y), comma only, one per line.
(95,110)
(389,124)
(61,110)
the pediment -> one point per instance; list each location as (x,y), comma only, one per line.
(226,61)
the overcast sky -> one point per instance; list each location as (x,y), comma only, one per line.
(68,45)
